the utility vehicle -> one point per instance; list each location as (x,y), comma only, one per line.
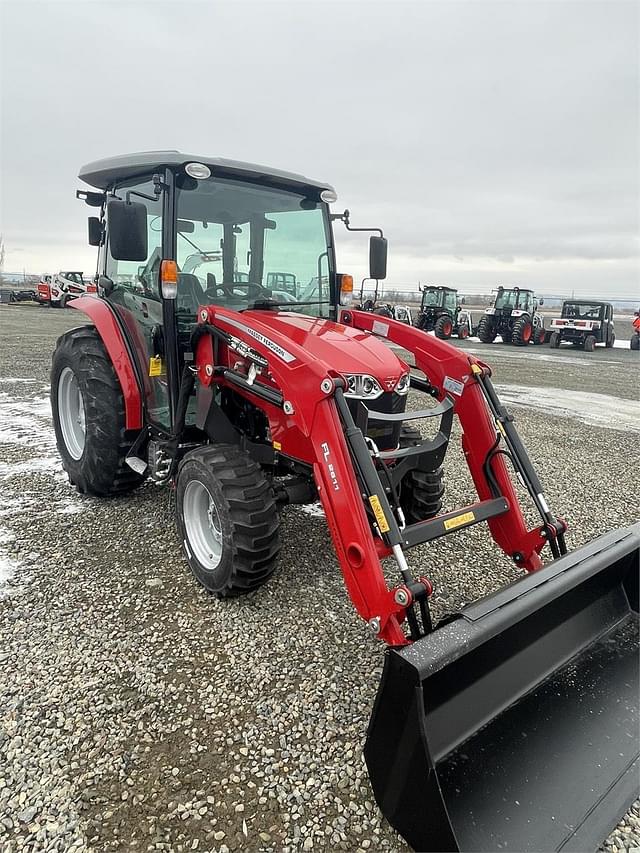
(583,323)
(441,312)
(514,316)
(509,724)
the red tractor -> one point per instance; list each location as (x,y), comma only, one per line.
(246,401)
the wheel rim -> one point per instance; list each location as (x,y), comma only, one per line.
(71,413)
(447,328)
(202,525)
(526,333)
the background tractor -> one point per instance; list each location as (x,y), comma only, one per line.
(245,402)
(583,323)
(441,312)
(514,316)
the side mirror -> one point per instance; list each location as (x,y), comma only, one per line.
(462,300)
(377,258)
(95,231)
(127,224)
(540,300)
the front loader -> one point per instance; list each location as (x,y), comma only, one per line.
(511,724)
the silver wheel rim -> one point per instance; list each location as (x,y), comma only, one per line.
(71,413)
(202,525)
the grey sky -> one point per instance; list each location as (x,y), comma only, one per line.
(495,142)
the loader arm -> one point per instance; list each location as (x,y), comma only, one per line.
(484,422)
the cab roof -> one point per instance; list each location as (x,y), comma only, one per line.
(103,174)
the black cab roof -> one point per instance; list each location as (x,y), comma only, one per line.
(103,174)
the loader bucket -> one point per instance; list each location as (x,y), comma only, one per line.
(514,726)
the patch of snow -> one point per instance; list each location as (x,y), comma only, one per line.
(8,566)
(13,379)
(70,508)
(26,422)
(600,410)
(315,510)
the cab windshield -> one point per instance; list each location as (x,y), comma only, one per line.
(242,246)
(513,299)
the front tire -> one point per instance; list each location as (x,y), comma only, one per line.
(463,332)
(486,331)
(522,332)
(88,416)
(635,342)
(227,519)
(443,327)
(554,340)
(421,492)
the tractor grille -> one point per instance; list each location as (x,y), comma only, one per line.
(385,435)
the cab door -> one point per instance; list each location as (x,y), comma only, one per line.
(134,293)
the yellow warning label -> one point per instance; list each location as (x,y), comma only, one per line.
(383,524)
(458,520)
(277,445)
(156,367)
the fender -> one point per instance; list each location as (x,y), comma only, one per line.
(106,323)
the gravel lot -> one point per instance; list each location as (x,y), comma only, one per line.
(139,713)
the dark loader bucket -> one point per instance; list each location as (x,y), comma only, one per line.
(515,725)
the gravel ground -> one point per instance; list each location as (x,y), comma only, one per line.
(139,713)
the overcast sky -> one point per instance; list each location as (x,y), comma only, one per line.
(495,142)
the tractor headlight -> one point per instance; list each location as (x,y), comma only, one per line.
(402,385)
(361,386)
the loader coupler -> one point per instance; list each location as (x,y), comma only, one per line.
(514,726)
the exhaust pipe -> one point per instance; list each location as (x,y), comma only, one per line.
(514,726)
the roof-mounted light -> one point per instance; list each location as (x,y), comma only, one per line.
(329,196)
(198,171)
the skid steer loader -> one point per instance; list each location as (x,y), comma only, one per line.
(511,724)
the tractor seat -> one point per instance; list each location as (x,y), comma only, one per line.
(190,293)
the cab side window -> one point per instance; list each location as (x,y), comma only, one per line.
(139,276)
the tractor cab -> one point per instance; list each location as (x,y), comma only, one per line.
(514,299)
(445,298)
(177,234)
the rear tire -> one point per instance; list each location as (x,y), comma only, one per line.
(486,330)
(611,341)
(227,519)
(589,343)
(88,416)
(522,332)
(554,340)
(421,491)
(443,327)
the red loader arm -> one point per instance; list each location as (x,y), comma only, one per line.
(455,372)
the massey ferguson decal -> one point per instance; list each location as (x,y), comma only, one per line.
(326,452)
(267,342)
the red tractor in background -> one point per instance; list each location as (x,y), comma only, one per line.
(246,401)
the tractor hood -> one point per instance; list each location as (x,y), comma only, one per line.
(342,348)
